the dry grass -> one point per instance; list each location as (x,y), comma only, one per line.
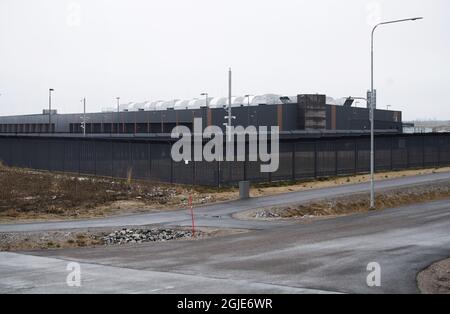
(282,187)
(27,193)
(354,204)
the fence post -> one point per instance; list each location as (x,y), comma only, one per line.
(79,156)
(245,161)
(245,170)
(49,164)
(64,155)
(10,157)
(193,171)
(315,159)
(336,158)
(130,168)
(392,153)
(293,161)
(149,156)
(355,143)
(407,152)
(95,156)
(423,151)
(171,165)
(112,158)
(218,173)
(439,152)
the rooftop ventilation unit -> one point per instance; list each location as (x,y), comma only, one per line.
(139,106)
(266,99)
(181,105)
(285,100)
(196,103)
(348,102)
(218,102)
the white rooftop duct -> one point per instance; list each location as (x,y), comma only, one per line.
(138,106)
(131,106)
(158,105)
(266,99)
(168,104)
(330,101)
(126,106)
(340,101)
(218,102)
(237,101)
(148,106)
(196,103)
(181,104)
(249,101)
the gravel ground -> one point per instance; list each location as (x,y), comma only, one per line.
(126,235)
(18,241)
(435,279)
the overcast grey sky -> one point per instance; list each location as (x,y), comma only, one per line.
(176,49)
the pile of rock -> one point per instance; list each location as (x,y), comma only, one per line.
(125,235)
(267,214)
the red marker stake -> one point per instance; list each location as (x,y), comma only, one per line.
(192,214)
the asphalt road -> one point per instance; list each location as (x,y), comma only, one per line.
(325,256)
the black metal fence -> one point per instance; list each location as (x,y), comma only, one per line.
(149,159)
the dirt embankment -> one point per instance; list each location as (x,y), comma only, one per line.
(347,205)
(29,195)
(39,195)
(435,279)
(283,187)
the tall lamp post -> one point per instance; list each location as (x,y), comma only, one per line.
(248,108)
(248,99)
(372,146)
(118,113)
(50,90)
(84,116)
(206,99)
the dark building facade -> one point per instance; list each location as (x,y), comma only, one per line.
(309,113)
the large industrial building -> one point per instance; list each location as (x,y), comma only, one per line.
(297,113)
(319,137)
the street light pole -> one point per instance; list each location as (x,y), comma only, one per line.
(50,90)
(118,113)
(372,137)
(84,116)
(206,99)
(248,99)
(248,108)
(229,104)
